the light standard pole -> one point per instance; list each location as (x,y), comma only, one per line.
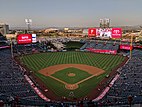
(28,22)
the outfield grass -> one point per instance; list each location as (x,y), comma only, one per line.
(73,45)
(36,62)
(79,75)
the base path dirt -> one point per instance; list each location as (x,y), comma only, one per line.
(90,69)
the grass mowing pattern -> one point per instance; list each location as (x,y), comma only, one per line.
(79,75)
(73,45)
(37,62)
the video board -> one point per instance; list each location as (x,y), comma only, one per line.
(24,39)
(105,32)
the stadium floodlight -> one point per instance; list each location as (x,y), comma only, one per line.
(104,23)
(101,23)
(28,22)
(107,22)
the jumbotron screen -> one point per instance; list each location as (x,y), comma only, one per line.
(24,39)
(105,32)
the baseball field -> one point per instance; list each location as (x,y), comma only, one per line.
(71,74)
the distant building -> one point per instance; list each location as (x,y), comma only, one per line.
(75,31)
(50,30)
(9,36)
(4,29)
(85,31)
(66,29)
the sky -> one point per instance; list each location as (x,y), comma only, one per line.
(70,13)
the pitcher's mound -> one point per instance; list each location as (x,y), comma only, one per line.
(71,74)
(71,86)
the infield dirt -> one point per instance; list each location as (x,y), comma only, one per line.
(90,69)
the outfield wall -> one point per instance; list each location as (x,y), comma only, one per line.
(102,51)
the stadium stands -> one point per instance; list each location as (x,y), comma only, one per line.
(14,89)
(129,83)
(13,84)
(100,45)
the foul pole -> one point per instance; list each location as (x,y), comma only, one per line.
(131,44)
(11,49)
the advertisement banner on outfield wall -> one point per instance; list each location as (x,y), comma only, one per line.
(102,51)
(92,32)
(105,32)
(24,39)
(126,47)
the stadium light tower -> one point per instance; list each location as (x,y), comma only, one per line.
(107,22)
(28,22)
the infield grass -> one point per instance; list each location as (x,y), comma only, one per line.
(79,75)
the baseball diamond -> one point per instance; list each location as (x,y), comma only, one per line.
(72,72)
(50,71)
